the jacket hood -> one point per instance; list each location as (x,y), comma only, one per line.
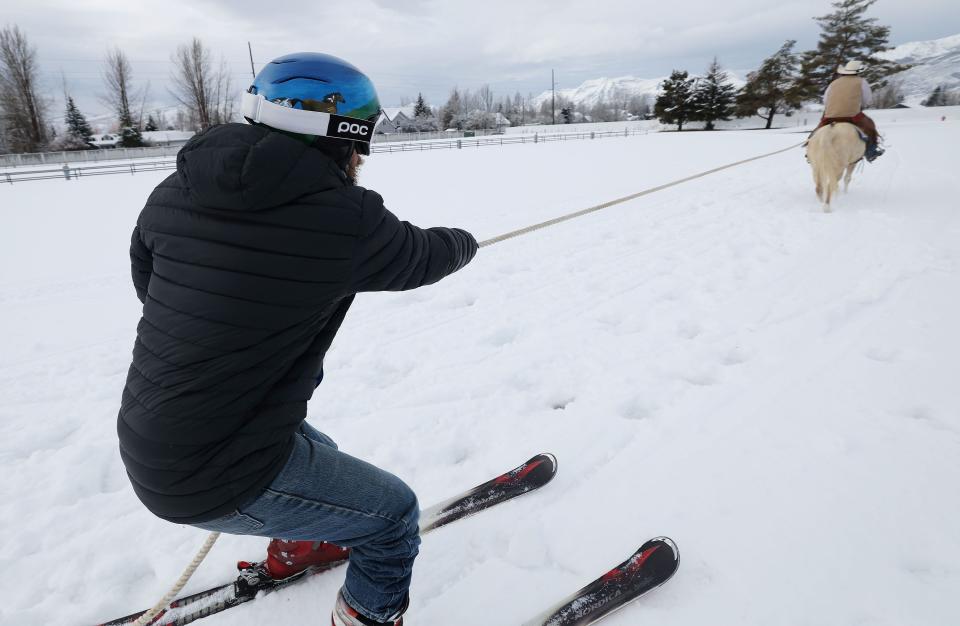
(246,168)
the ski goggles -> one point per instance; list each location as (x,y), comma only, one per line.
(303,120)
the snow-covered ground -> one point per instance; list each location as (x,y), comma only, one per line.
(720,362)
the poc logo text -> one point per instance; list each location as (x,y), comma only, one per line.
(352,129)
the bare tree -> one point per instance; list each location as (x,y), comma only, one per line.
(485,98)
(205,92)
(144,94)
(122,97)
(22,110)
(118,78)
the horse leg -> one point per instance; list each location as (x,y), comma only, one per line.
(846,178)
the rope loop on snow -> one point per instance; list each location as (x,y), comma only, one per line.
(164,602)
(570,216)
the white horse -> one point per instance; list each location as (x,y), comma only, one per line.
(832,149)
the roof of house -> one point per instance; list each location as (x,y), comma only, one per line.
(167,135)
(392,112)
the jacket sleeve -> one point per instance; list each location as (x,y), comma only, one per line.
(141,264)
(392,255)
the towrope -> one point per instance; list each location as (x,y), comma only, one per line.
(354,129)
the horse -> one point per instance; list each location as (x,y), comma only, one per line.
(831,150)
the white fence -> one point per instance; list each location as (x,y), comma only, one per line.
(155,152)
(87,156)
(68,172)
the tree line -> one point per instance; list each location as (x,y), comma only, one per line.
(202,88)
(480,109)
(787,79)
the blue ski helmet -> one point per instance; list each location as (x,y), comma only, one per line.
(314,94)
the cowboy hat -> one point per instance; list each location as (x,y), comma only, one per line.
(851,68)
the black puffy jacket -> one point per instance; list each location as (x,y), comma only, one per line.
(246,260)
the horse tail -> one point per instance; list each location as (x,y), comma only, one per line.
(826,161)
(833,162)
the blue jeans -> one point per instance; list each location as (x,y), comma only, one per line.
(323,494)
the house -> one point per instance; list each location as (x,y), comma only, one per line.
(166,137)
(396,120)
(403,120)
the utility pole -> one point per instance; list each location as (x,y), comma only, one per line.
(250,50)
(553,103)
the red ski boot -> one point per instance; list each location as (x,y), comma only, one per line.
(286,558)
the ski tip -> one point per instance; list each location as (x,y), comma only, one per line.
(664,542)
(548,457)
(546,464)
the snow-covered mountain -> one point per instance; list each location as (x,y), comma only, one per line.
(597,90)
(594,91)
(935,62)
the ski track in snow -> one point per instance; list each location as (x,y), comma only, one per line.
(720,362)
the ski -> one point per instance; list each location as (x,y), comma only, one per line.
(253,578)
(649,567)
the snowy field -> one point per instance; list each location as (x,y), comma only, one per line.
(720,362)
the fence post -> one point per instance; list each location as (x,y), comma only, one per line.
(9,180)
(66,171)
(536,137)
(591,134)
(133,168)
(459,144)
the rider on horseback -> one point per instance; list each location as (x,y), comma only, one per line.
(845,100)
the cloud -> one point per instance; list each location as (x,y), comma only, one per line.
(431,45)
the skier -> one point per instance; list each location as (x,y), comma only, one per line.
(247,260)
(844,101)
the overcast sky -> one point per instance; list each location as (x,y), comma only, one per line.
(407,46)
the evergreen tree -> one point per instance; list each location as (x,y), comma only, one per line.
(714,96)
(675,103)
(773,88)
(936,98)
(130,137)
(79,134)
(847,36)
(151,124)
(421,109)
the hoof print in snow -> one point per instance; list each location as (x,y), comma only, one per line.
(688,329)
(502,337)
(700,379)
(462,301)
(735,356)
(635,410)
